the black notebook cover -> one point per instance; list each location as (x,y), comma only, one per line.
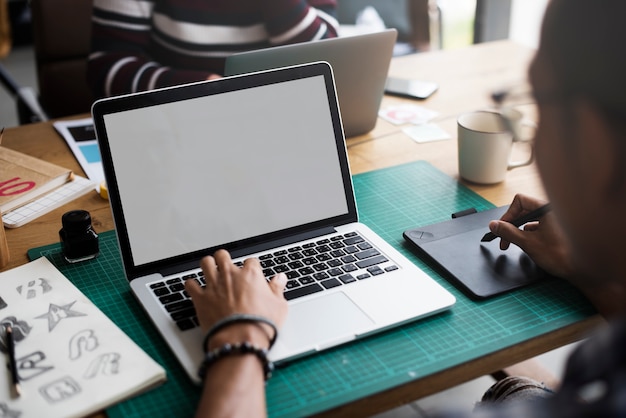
(481,269)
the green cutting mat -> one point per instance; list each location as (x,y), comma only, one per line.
(390,201)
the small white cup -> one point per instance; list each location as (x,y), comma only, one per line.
(485,145)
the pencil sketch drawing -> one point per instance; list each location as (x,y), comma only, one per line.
(104,364)
(34,288)
(21,329)
(5,412)
(60,390)
(58,312)
(30,365)
(84,340)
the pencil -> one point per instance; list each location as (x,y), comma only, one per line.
(12,363)
(534,215)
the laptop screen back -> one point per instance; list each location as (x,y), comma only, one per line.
(211,171)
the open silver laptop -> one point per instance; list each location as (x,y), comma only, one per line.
(360,64)
(198,167)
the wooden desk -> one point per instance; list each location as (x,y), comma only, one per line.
(466,77)
(41,140)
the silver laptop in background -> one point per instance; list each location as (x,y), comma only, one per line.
(194,168)
(360,64)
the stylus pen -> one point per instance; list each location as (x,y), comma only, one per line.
(12,363)
(534,215)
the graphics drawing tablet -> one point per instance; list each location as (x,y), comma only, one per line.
(481,269)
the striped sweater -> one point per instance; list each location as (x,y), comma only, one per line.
(144,44)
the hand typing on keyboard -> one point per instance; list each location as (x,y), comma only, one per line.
(309,267)
(243,301)
(237,290)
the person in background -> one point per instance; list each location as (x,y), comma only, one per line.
(578,82)
(142,45)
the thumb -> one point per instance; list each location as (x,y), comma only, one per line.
(278,282)
(508,232)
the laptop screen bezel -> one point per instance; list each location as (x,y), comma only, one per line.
(112,105)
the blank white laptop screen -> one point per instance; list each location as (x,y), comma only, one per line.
(160,151)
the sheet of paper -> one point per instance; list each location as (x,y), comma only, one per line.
(71,359)
(80,136)
(426,132)
(407,113)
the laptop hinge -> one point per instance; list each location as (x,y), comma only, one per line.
(268,245)
(251,249)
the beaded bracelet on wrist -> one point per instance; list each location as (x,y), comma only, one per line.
(214,355)
(239,318)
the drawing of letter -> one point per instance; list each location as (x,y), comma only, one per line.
(31,290)
(58,312)
(5,412)
(20,330)
(107,364)
(60,390)
(84,340)
(29,367)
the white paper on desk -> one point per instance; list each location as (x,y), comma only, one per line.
(426,132)
(72,360)
(407,113)
(80,136)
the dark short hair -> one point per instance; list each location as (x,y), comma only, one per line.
(583,42)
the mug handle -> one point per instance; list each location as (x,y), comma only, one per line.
(518,138)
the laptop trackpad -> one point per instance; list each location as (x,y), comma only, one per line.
(323,322)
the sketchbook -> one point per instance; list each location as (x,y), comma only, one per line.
(48,202)
(24,178)
(72,360)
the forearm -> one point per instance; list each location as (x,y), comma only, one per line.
(120,60)
(234,387)
(607,297)
(292,21)
(112,73)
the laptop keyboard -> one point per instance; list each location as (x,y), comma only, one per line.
(310,268)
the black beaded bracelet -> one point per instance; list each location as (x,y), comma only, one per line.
(240,348)
(237,318)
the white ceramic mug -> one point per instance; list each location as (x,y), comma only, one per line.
(485,144)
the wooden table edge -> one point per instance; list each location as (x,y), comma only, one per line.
(448,378)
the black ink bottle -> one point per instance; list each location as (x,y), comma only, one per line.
(78,239)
